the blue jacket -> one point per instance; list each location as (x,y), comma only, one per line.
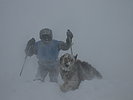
(48,52)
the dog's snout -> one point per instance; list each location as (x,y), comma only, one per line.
(66,60)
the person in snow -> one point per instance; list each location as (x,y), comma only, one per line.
(47,51)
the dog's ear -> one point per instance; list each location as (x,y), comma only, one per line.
(76,56)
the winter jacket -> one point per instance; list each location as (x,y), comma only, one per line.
(48,52)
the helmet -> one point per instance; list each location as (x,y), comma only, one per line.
(46,34)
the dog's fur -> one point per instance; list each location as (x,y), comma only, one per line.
(74,71)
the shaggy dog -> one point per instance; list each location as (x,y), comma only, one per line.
(74,71)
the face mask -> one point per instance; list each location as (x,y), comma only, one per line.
(46,37)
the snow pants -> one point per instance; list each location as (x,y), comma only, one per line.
(48,68)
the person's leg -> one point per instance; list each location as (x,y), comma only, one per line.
(53,74)
(41,73)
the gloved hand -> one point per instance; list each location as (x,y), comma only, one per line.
(69,37)
(69,34)
(30,46)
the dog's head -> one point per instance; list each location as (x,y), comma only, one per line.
(67,61)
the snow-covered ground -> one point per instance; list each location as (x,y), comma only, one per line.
(92,90)
(103,36)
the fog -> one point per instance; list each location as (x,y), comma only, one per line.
(103,36)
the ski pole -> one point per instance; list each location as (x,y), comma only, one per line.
(24,62)
(71,49)
(23,65)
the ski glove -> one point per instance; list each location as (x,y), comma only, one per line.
(69,34)
(29,50)
(69,37)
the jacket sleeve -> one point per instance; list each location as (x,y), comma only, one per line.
(65,45)
(35,48)
(31,50)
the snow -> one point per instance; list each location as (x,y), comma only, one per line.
(92,90)
(102,36)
